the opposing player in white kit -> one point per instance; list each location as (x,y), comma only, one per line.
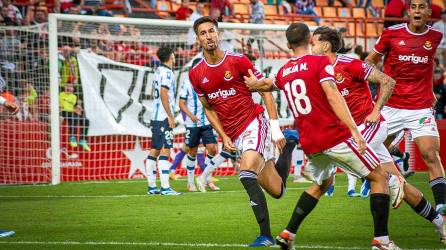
(162,123)
(328,134)
(409,51)
(351,76)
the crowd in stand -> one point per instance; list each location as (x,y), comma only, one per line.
(32,92)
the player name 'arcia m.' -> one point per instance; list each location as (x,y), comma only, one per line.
(295,68)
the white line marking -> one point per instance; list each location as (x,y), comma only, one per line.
(172,244)
(131,195)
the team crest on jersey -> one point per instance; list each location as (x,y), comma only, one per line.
(228,75)
(339,78)
(427,45)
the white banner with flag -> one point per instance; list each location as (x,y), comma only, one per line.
(117,96)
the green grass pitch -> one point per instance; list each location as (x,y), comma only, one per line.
(119,215)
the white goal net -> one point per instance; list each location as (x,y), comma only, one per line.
(89,119)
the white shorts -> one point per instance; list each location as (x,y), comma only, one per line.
(419,122)
(375,135)
(346,156)
(257,137)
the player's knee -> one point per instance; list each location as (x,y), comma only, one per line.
(430,156)
(378,175)
(212,149)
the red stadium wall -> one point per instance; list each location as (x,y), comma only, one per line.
(25,156)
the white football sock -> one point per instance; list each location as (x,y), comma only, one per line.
(164,166)
(190,166)
(351,182)
(151,171)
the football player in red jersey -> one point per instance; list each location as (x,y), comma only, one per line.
(229,107)
(328,134)
(352,77)
(409,51)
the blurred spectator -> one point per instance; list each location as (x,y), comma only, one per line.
(13,12)
(198,12)
(368,6)
(138,54)
(184,11)
(436,11)
(345,48)
(71,110)
(91,3)
(69,67)
(36,15)
(43,106)
(441,50)
(218,9)
(305,7)
(65,5)
(394,9)
(5,19)
(344,3)
(257,11)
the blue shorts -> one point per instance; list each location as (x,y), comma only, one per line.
(193,136)
(162,135)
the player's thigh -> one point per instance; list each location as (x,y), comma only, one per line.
(207,135)
(348,158)
(252,160)
(157,135)
(394,118)
(167,135)
(421,123)
(375,135)
(192,137)
(429,147)
(321,167)
(256,137)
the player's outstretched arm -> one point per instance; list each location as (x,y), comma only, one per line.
(271,108)
(183,107)
(254,84)
(165,102)
(215,122)
(386,84)
(341,110)
(373,58)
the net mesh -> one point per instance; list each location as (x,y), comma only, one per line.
(105,95)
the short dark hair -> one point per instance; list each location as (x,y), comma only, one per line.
(297,35)
(427,1)
(205,19)
(329,35)
(164,54)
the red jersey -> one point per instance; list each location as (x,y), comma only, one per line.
(409,60)
(351,77)
(300,78)
(223,86)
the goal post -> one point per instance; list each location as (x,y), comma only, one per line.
(109,62)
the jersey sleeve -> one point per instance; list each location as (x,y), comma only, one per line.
(246,64)
(184,91)
(167,79)
(326,70)
(382,45)
(194,82)
(360,70)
